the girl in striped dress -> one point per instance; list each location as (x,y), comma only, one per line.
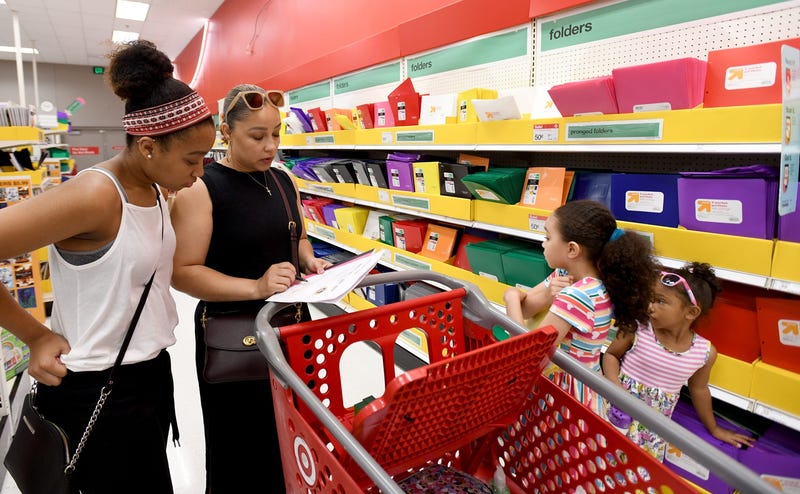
(654,362)
(602,273)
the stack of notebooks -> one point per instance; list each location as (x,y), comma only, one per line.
(496,184)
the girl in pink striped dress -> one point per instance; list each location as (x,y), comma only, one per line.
(654,362)
(602,275)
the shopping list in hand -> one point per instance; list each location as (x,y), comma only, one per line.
(333,284)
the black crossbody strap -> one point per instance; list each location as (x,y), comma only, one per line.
(293,226)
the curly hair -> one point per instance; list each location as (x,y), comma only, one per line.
(141,74)
(702,280)
(626,264)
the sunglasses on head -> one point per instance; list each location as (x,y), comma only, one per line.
(255,100)
(672,279)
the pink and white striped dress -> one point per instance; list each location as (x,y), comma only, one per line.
(655,375)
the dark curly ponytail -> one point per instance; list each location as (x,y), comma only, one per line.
(626,263)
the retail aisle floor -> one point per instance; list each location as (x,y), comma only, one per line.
(188,461)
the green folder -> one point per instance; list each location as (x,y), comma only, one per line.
(486,258)
(385,229)
(503,185)
(525,268)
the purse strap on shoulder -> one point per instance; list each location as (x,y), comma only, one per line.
(293,226)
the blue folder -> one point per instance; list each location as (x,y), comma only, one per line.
(645,198)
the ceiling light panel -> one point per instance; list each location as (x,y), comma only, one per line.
(135,11)
(124,36)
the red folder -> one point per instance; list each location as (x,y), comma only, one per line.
(589,96)
(405,104)
(748,75)
(677,83)
(365,111)
(318,120)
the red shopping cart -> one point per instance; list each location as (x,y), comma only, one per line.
(478,404)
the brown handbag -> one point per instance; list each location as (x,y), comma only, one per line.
(231,350)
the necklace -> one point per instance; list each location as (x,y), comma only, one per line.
(264,185)
(227,162)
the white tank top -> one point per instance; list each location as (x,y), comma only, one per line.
(94,303)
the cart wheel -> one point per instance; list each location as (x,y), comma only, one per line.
(305,461)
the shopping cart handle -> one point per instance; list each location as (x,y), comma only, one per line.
(269,345)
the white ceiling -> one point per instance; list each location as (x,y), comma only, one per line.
(78,32)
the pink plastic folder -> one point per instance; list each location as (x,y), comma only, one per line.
(590,96)
(668,85)
(383,115)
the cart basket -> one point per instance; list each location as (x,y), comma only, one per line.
(478,404)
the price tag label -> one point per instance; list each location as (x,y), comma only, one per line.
(387,137)
(536,223)
(786,286)
(545,133)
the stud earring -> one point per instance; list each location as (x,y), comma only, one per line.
(149,156)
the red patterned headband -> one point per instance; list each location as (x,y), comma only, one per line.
(166,118)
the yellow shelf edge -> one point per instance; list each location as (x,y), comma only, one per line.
(755,124)
(404,259)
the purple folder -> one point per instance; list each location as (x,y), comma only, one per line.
(686,416)
(738,201)
(328,212)
(789,226)
(407,157)
(304,170)
(776,453)
(399,175)
(305,120)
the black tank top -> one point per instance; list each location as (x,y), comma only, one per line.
(250,231)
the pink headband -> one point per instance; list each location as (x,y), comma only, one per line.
(166,118)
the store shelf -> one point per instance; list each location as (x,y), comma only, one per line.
(751,261)
(742,129)
(11,137)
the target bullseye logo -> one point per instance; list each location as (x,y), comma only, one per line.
(305,461)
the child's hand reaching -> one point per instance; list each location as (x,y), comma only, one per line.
(559,283)
(732,438)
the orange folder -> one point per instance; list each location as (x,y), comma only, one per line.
(544,187)
(440,241)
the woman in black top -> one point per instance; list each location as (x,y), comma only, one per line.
(233,251)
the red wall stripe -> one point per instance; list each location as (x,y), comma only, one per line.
(285,44)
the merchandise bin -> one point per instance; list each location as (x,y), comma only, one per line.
(480,403)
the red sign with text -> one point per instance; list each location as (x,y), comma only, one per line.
(84,150)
